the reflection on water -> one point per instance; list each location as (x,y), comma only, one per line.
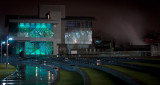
(30,75)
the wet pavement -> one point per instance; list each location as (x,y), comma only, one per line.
(29,75)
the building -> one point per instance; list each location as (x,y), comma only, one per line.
(78,35)
(38,35)
(46,34)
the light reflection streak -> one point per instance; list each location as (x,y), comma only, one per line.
(52,77)
(36,72)
(49,75)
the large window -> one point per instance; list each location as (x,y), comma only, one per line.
(78,37)
(39,48)
(78,32)
(42,30)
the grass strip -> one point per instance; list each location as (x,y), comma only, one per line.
(99,77)
(141,76)
(6,72)
(70,78)
(144,64)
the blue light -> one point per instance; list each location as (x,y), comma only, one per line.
(97,41)
(3,42)
(49,25)
(32,25)
(27,25)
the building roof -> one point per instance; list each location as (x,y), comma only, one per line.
(78,18)
(20,17)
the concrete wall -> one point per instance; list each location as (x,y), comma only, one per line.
(57,12)
(54,11)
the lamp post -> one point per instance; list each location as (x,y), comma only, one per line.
(2,42)
(7,51)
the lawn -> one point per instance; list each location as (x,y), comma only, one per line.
(141,76)
(98,77)
(6,72)
(70,78)
(144,64)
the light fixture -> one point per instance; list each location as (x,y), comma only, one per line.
(10,38)
(3,42)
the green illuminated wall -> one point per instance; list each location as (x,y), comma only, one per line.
(39,48)
(35,30)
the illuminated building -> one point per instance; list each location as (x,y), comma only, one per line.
(38,35)
(78,35)
(41,35)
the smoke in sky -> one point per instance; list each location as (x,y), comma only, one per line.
(126,26)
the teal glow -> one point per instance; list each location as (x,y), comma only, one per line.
(49,26)
(38,52)
(21,25)
(38,25)
(20,50)
(19,47)
(27,25)
(32,25)
(43,25)
(35,30)
(39,48)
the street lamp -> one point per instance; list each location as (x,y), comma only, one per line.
(7,50)
(2,42)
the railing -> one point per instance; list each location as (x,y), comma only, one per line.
(114,54)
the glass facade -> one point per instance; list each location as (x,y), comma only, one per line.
(39,48)
(41,30)
(78,32)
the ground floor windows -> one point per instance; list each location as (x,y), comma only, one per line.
(39,48)
(35,47)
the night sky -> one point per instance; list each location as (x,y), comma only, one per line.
(121,20)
